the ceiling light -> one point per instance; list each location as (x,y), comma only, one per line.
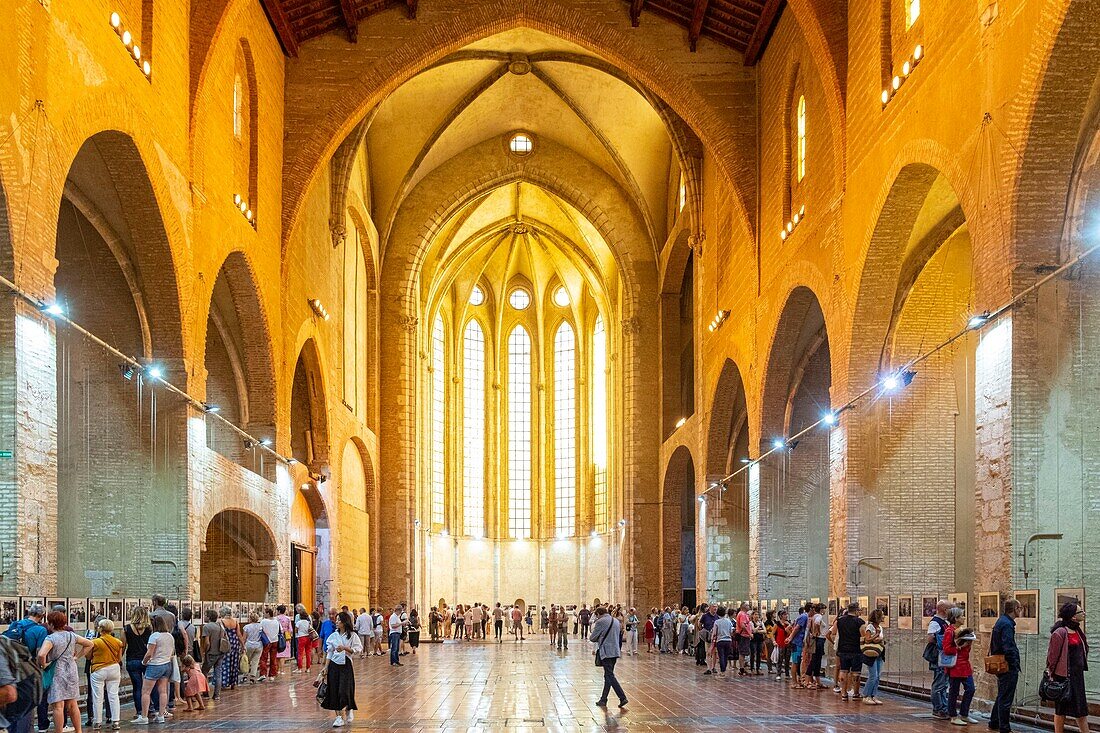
(918,52)
(127,38)
(896,82)
(116,20)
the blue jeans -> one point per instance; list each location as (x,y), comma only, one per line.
(963,708)
(939,690)
(395,647)
(1001,716)
(874,671)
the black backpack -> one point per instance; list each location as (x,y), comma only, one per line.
(28,679)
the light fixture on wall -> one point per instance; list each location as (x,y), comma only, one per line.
(53,309)
(829,418)
(133,49)
(899,78)
(622,522)
(154,371)
(778,443)
(719,318)
(127,370)
(897,380)
(319,308)
(681,422)
(207,407)
(246,210)
(792,223)
(977,321)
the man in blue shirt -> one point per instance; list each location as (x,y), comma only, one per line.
(31,632)
(328,626)
(798,638)
(1003,641)
(706,623)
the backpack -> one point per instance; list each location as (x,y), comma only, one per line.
(27,675)
(17,631)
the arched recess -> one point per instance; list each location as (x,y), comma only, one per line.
(727,527)
(9,486)
(914,447)
(238,559)
(245,123)
(116,277)
(358,519)
(359,247)
(794,500)
(240,374)
(678,571)
(309,433)
(678,335)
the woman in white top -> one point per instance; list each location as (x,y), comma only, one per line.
(340,646)
(253,646)
(302,643)
(158,668)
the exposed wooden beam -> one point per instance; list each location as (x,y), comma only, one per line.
(636,12)
(759,39)
(410,6)
(351,19)
(697,14)
(281,25)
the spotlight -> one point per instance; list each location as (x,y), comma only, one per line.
(783,234)
(127,38)
(291,461)
(146,67)
(702,500)
(790,227)
(137,52)
(154,372)
(978,321)
(237,199)
(53,309)
(305,487)
(265,442)
(416,523)
(896,83)
(746,460)
(885,96)
(897,380)
(918,52)
(795,219)
(829,418)
(116,20)
(206,406)
(681,422)
(249,445)
(127,371)
(906,68)
(778,443)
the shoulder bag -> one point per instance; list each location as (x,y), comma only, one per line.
(223,643)
(599,659)
(872,649)
(1052,688)
(321,683)
(995,662)
(47,673)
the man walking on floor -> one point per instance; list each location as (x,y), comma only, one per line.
(606,634)
(1003,641)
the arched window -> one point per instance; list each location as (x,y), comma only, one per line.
(438,420)
(801,151)
(565,431)
(354,317)
(519,433)
(244,126)
(238,105)
(599,422)
(473,430)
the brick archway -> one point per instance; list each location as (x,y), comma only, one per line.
(239,558)
(678,529)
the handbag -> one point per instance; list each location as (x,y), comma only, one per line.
(775,655)
(47,673)
(996,664)
(263,638)
(1054,689)
(947,660)
(321,683)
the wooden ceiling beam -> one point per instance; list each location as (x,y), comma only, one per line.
(284,31)
(755,47)
(351,19)
(698,13)
(636,12)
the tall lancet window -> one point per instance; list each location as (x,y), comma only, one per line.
(438,420)
(519,433)
(473,430)
(565,431)
(599,422)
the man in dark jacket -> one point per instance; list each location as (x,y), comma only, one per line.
(1003,641)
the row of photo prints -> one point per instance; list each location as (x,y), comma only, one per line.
(900,611)
(84,612)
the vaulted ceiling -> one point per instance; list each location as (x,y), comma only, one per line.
(742,25)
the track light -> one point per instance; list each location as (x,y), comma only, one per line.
(681,422)
(898,380)
(207,407)
(978,321)
(53,309)
(291,461)
(829,418)
(127,370)
(319,308)
(746,460)
(153,371)
(265,442)
(778,443)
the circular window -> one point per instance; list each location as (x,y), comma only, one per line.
(521,144)
(477,296)
(561,297)
(519,299)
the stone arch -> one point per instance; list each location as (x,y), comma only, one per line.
(115,277)
(306,153)
(239,363)
(309,439)
(727,529)
(1053,115)
(677,334)
(239,558)
(678,571)
(794,474)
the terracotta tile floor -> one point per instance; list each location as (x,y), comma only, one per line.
(481,686)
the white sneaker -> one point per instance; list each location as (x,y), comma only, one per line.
(141,720)
(160,719)
(972,720)
(351,715)
(68,729)
(338,723)
(959,721)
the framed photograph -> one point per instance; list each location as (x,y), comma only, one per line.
(78,614)
(844,601)
(128,606)
(864,603)
(882,603)
(773,604)
(958,600)
(834,605)
(785,602)
(115,610)
(52,603)
(1028,620)
(1062,596)
(905,612)
(174,602)
(815,601)
(9,611)
(989,609)
(927,609)
(25,603)
(97,609)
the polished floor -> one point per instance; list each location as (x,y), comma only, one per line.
(482,686)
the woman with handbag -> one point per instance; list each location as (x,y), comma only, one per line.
(873,647)
(61,679)
(336,685)
(231,664)
(956,658)
(1067,662)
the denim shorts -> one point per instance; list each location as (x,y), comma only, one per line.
(158,671)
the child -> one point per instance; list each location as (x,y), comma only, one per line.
(195,685)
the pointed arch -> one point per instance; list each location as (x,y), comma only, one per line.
(475,356)
(565,430)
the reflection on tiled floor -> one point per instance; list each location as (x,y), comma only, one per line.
(479,686)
